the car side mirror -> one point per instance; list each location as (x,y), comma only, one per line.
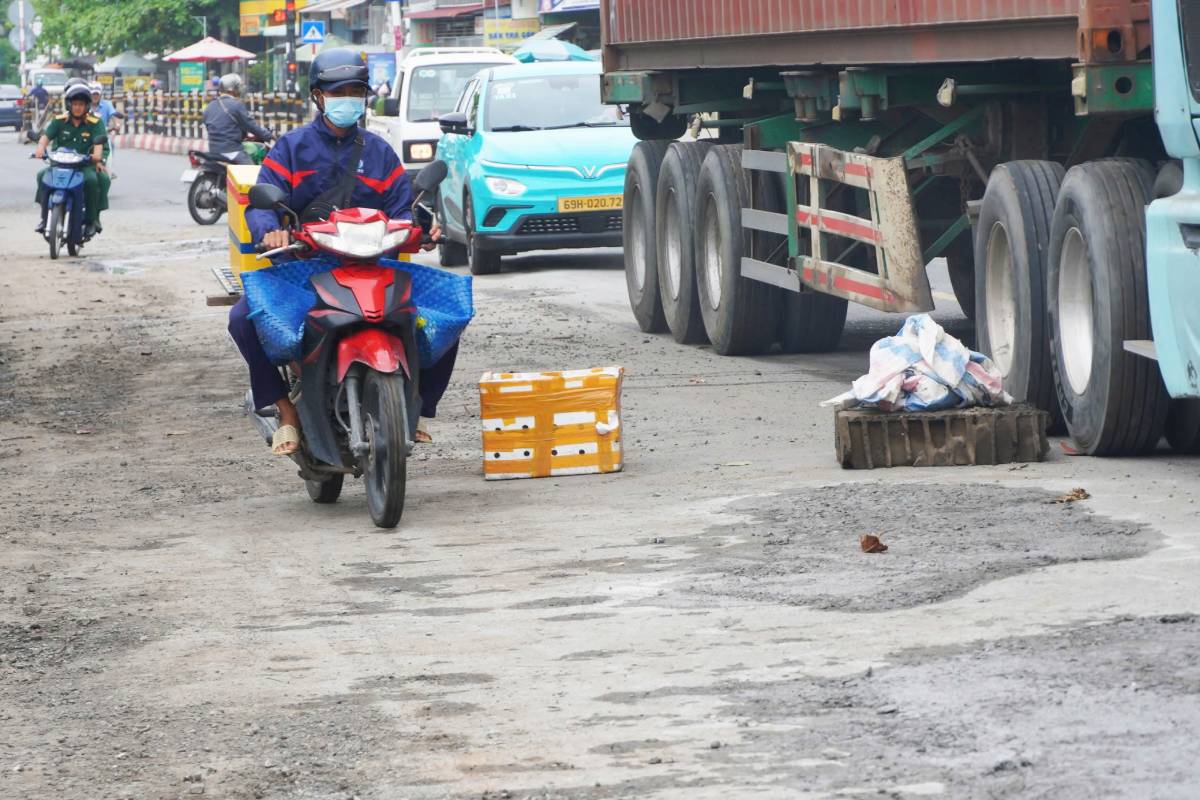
(455,122)
(266,197)
(430,176)
(391,106)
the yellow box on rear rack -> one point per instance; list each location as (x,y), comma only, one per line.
(239,179)
(547,424)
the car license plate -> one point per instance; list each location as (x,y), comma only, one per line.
(8,103)
(189,175)
(602,202)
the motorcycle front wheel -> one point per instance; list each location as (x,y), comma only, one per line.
(54,230)
(385,418)
(205,184)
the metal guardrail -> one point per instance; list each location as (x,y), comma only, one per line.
(181,114)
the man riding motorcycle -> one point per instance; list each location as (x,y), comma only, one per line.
(83,132)
(104,109)
(328,164)
(38,93)
(228,122)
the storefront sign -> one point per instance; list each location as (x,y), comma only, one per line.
(559,6)
(136,83)
(507,34)
(252,25)
(381,68)
(191,76)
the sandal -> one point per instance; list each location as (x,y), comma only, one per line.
(422,436)
(286,441)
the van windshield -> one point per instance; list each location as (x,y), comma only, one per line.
(51,78)
(434,90)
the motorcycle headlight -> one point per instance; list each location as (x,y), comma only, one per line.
(505,187)
(360,240)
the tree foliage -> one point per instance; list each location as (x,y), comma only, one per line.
(106,27)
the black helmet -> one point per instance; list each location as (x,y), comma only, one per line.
(79,91)
(336,68)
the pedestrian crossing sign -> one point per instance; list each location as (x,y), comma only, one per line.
(312,31)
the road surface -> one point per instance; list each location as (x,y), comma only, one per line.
(177,619)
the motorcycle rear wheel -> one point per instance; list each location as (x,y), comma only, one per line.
(204,216)
(385,418)
(54,229)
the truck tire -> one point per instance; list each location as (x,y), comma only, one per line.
(1114,402)
(675,226)
(1183,426)
(960,266)
(741,316)
(1012,240)
(646,128)
(638,224)
(809,322)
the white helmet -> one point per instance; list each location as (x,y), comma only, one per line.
(96,88)
(231,82)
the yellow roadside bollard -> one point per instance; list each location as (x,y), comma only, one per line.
(241,245)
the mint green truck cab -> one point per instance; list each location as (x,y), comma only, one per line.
(1173,221)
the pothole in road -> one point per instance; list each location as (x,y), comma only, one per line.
(138,258)
(802,547)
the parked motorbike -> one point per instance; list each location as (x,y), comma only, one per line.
(62,193)
(206,197)
(355,384)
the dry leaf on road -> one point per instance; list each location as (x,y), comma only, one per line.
(871,544)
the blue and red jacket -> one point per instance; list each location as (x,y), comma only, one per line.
(307,161)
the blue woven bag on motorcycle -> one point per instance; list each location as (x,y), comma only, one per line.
(444,307)
(280,298)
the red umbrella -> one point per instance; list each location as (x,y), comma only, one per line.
(209,49)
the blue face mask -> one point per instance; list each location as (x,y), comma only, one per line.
(345,111)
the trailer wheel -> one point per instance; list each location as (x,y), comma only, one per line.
(961,269)
(647,128)
(741,316)
(1012,239)
(1114,402)
(809,322)
(637,222)
(675,226)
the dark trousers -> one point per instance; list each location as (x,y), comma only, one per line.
(268,386)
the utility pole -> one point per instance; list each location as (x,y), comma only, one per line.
(204,21)
(21,36)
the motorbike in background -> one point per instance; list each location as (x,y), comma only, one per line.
(207,198)
(62,194)
(355,382)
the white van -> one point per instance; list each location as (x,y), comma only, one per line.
(53,79)
(428,84)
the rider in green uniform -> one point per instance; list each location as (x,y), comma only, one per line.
(83,132)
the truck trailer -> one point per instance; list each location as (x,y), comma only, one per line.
(838,147)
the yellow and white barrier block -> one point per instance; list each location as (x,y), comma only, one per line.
(547,424)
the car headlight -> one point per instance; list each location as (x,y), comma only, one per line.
(505,187)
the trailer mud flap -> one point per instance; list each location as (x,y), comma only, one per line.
(899,282)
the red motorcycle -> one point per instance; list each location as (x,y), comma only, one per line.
(355,383)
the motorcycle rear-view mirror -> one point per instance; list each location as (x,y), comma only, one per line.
(430,176)
(265,196)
